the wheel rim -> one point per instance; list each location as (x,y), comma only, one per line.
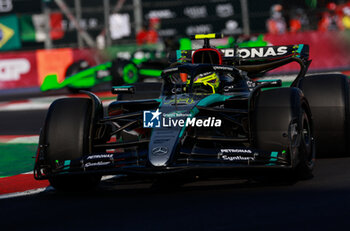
(130,73)
(306,138)
(294,138)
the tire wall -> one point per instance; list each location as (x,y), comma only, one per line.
(66,129)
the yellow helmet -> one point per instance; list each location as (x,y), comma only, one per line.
(210,81)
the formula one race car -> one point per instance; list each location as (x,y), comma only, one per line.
(142,66)
(211,120)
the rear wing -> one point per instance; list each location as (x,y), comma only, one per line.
(267,53)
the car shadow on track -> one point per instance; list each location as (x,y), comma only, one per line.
(117,187)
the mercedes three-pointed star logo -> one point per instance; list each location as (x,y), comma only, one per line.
(159,151)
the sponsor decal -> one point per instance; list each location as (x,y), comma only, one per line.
(5,6)
(199,29)
(229,52)
(142,55)
(124,55)
(236,151)
(187,101)
(176,90)
(223,68)
(251,84)
(159,151)
(161,14)
(153,119)
(167,32)
(123,89)
(231,27)
(237,158)
(170,70)
(102,156)
(196,11)
(85,23)
(102,73)
(95,164)
(235,154)
(229,88)
(224,10)
(65,164)
(12,69)
(273,156)
(261,52)
(254,52)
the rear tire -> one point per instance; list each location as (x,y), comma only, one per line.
(280,118)
(66,132)
(328,97)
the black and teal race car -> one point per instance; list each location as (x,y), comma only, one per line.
(211,120)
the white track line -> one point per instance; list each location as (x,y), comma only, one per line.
(25,140)
(108,177)
(26,193)
(25,106)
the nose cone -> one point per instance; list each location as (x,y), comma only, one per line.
(162,145)
(164,139)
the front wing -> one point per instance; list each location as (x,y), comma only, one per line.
(185,161)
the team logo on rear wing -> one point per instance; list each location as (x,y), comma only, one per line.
(255,52)
(252,53)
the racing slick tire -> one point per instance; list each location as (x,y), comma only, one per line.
(124,72)
(282,123)
(73,69)
(328,97)
(66,132)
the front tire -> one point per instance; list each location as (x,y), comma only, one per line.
(282,123)
(66,132)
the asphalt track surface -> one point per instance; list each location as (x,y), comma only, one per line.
(321,203)
(21,122)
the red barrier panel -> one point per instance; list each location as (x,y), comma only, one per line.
(29,68)
(328,50)
(18,70)
(53,61)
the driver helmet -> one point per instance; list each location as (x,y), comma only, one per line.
(208,81)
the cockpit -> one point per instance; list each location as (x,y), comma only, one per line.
(203,78)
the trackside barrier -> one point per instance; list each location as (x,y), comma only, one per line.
(27,69)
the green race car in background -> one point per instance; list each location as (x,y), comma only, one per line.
(144,64)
